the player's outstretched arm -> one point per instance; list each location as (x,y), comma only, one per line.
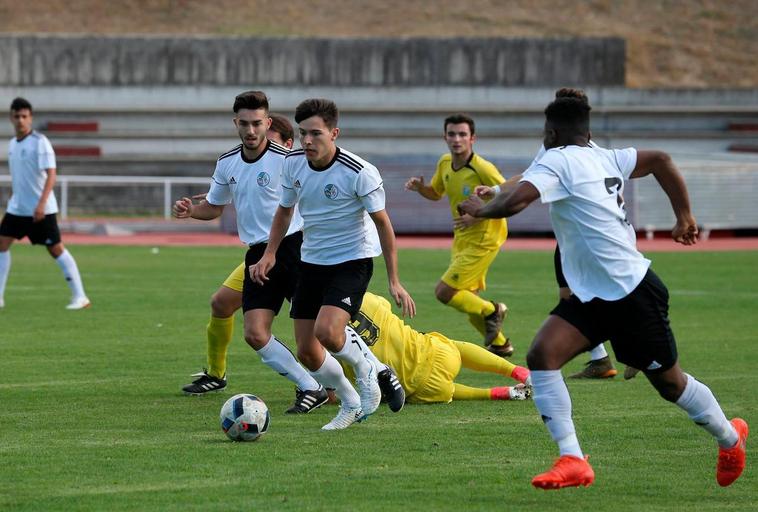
(185,209)
(387,239)
(416,184)
(503,205)
(487,193)
(279,227)
(660,165)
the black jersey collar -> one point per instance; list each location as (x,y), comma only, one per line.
(247,160)
(327,166)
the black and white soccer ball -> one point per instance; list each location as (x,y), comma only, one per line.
(244,417)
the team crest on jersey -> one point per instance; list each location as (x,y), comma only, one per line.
(263,178)
(466,191)
(331,191)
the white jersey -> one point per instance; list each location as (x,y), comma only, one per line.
(335,202)
(28,161)
(254,186)
(629,228)
(584,186)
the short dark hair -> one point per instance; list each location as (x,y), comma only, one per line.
(21,104)
(325,109)
(570,92)
(458,119)
(282,126)
(252,100)
(569,113)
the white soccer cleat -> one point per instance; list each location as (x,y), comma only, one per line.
(369,391)
(346,417)
(520,392)
(79,303)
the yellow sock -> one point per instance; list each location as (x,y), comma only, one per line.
(500,340)
(463,392)
(471,304)
(219,332)
(480,359)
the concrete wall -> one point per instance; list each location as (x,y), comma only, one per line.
(129,61)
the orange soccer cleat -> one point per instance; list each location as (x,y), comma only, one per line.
(732,460)
(568,471)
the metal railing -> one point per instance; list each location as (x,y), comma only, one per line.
(63,183)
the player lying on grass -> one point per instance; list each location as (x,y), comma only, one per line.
(615,294)
(427,364)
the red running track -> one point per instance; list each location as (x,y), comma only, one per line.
(415,242)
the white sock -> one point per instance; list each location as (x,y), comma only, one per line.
(279,358)
(71,272)
(704,410)
(352,354)
(553,402)
(352,335)
(331,376)
(5,268)
(598,352)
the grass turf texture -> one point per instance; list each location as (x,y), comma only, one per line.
(93,418)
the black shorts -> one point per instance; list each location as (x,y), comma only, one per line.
(558,266)
(341,285)
(282,278)
(637,325)
(44,232)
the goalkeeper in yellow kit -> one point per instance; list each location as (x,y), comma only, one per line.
(476,242)
(428,363)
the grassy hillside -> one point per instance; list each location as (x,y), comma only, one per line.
(671,43)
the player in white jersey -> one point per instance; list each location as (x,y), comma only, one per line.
(341,199)
(249,176)
(615,294)
(32,207)
(600,365)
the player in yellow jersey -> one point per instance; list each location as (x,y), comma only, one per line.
(427,364)
(475,242)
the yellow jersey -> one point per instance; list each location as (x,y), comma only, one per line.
(409,352)
(459,184)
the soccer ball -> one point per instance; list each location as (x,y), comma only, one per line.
(244,417)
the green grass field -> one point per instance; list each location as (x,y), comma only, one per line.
(93,418)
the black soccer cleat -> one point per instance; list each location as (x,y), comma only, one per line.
(306,401)
(204,384)
(392,392)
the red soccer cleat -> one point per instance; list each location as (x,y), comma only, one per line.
(732,460)
(568,471)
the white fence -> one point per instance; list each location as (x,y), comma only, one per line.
(723,196)
(65,183)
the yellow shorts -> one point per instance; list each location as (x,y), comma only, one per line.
(446,363)
(468,265)
(234,281)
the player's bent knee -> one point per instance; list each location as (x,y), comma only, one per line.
(257,338)
(223,306)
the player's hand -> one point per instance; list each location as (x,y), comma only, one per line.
(470,206)
(485,192)
(464,221)
(39,214)
(200,197)
(259,271)
(685,231)
(403,299)
(415,183)
(182,208)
